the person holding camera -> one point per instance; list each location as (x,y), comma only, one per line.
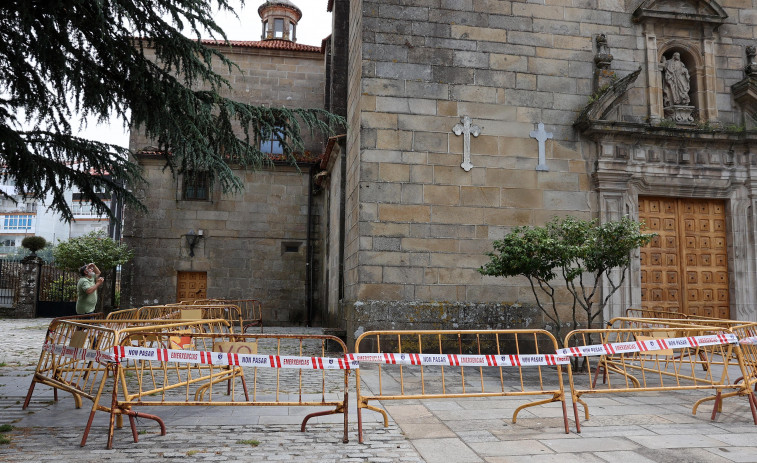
(86,288)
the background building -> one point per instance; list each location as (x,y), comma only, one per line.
(261,243)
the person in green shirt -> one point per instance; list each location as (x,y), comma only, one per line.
(86,288)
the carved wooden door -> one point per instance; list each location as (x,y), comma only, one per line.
(685,268)
(191,286)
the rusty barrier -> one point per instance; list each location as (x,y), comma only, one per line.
(212,369)
(210,310)
(656,355)
(458,363)
(252,310)
(79,376)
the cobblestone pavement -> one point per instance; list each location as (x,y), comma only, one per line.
(49,431)
(633,428)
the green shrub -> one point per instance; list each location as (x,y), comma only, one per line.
(34,243)
(62,289)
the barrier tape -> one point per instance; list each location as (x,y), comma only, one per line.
(649,345)
(457,360)
(352,361)
(80,353)
(227,358)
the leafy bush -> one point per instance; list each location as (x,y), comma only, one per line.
(93,247)
(62,289)
(573,249)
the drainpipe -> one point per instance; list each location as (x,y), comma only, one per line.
(309,250)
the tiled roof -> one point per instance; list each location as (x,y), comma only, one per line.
(274,44)
(306,158)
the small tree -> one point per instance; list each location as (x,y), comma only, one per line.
(33,243)
(93,247)
(576,249)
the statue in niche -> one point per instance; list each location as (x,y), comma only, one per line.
(675,90)
(676,85)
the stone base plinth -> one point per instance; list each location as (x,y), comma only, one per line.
(680,114)
(362,316)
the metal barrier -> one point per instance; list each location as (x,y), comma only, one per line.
(252,310)
(223,370)
(654,313)
(79,376)
(501,362)
(209,310)
(126,314)
(655,355)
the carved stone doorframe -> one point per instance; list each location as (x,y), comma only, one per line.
(618,195)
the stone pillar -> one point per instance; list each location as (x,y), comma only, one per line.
(603,75)
(26,306)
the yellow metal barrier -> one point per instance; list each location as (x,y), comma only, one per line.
(208,310)
(622,370)
(400,382)
(183,376)
(80,376)
(653,313)
(251,309)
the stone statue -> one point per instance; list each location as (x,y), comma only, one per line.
(676,84)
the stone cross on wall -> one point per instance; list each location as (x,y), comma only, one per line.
(541,136)
(466,129)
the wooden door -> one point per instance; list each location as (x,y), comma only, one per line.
(685,268)
(191,286)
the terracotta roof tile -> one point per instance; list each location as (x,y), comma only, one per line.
(274,44)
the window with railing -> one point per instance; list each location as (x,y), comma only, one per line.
(83,208)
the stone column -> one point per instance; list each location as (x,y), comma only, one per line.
(26,306)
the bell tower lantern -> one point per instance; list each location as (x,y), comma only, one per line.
(280,18)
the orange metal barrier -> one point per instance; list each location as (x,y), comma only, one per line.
(400,382)
(188,381)
(712,367)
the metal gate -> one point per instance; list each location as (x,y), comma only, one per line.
(56,294)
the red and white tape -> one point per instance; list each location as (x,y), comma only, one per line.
(752,340)
(80,353)
(649,345)
(225,358)
(457,360)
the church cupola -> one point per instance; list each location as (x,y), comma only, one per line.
(280,18)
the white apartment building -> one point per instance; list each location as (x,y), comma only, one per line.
(27,217)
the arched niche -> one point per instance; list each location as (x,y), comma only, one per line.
(689,27)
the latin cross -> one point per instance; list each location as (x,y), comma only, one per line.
(541,136)
(466,129)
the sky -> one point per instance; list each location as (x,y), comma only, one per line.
(314,26)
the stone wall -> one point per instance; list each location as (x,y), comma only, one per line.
(419,224)
(254,243)
(425,223)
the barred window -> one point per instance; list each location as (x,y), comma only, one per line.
(196,186)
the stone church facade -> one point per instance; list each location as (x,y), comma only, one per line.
(588,78)
(469,117)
